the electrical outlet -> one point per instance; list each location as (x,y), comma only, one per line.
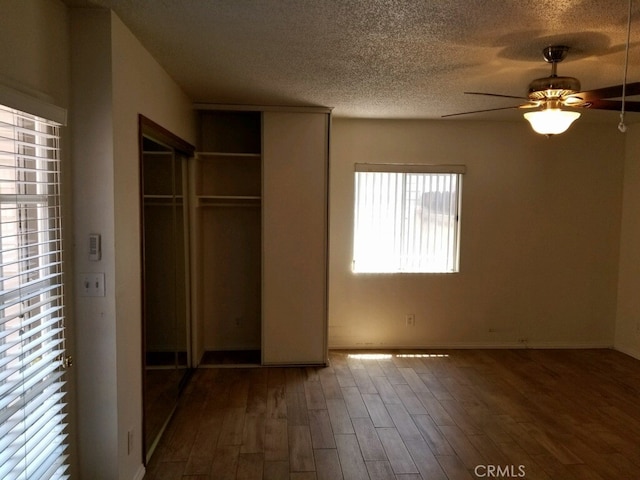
(410,319)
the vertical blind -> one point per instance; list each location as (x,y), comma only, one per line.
(406,220)
(32,386)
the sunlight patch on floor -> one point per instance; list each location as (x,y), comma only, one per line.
(386,356)
(422,355)
(370,356)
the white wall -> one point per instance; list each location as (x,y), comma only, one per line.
(140,86)
(114,78)
(539,243)
(628,318)
(34,48)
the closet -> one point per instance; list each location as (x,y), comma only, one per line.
(234,247)
(227,241)
(259,236)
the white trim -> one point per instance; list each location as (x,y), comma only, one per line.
(261,108)
(26,103)
(140,473)
(409,168)
(468,346)
(632,352)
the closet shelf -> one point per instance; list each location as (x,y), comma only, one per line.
(229,197)
(163,197)
(228,201)
(228,154)
(158,152)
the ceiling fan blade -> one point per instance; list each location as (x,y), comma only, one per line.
(614,91)
(614,105)
(480,111)
(532,104)
(495,95)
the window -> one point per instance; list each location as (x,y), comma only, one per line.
(32,395)
(406,218)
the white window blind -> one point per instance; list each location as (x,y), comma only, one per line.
(32,393)
(406,218)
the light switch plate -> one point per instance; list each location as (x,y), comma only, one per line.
(92,285)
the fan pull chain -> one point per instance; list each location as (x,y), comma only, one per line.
(621,126)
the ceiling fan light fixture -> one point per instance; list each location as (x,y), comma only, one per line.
(551,121)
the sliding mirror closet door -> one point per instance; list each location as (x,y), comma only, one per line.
(165,283)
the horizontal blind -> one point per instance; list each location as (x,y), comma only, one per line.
(409,168)
(32,387)
(406,221)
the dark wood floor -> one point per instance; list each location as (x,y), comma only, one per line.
(459,414)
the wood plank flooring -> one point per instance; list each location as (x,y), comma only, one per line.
(456,415)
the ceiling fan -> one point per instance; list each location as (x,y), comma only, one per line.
(550,94)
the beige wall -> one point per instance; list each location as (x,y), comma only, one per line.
(114,79)
(628,319)
(92,153)
(34,48)
(539,243)
(140,86)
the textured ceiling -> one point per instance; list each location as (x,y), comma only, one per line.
(380,58)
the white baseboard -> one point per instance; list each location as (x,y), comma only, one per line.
(454,345)
(140,473)
(632,352)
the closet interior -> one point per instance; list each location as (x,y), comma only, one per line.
(234,247)
(227,243)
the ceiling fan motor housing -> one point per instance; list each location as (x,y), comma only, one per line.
(553,87)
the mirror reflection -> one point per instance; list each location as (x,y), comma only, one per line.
(165,261)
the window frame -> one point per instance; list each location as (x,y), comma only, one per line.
(33,411)
(401,260)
